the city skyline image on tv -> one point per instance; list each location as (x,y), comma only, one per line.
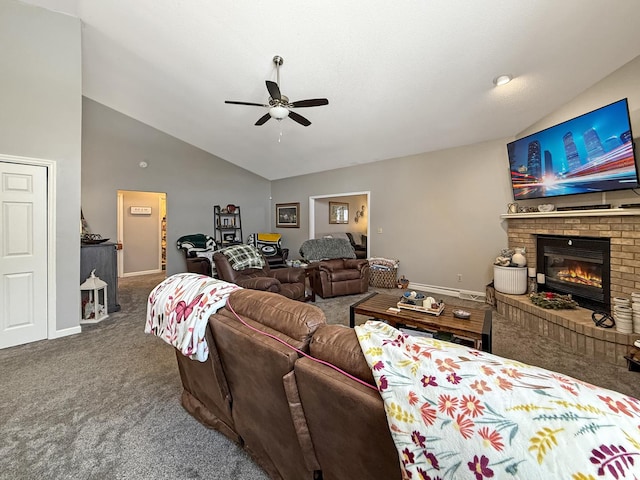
(589,153)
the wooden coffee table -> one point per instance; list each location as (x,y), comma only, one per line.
(476,329)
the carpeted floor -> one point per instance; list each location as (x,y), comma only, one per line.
(105,404)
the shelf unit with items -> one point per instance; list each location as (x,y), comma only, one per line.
(227,225)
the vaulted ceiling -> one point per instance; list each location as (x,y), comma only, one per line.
(401,77)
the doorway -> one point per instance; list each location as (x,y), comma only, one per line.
(141,231)
(358,214)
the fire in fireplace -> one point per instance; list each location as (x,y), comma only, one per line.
(578,266)
(577,272)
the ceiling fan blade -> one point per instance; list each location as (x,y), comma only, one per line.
(274,90)
(299,118)
(263,119)
(312,102)
(246,103)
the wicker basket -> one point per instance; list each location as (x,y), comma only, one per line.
(384,278)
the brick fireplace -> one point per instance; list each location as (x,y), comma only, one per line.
(575,328)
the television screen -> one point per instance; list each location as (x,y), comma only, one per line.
(590,153)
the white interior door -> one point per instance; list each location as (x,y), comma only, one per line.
(23,254)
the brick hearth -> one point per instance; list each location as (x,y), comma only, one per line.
(574,328)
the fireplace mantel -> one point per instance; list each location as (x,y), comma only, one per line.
(605,212)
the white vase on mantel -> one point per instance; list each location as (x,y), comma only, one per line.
(518,258)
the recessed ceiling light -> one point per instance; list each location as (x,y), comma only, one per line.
(502,80)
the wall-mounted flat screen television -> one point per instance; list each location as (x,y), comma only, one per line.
(590,153)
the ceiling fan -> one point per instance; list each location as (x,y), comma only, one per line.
(279,105)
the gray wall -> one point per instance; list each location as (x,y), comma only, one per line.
(40,116)
(440,212)
(113,145)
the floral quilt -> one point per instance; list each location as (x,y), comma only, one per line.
(179,308)
(456,413)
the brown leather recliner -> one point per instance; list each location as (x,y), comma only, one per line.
(340,276)
(289,282)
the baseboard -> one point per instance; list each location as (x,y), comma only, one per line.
(452,292)
(65,332)
(145,272)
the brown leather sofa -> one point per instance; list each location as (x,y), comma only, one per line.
(298,419)
(289,281)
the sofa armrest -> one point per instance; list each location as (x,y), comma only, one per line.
(358,263)
(289,275)
(267,284)
(332,265)
(200,265)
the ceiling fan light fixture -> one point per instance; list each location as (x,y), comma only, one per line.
(502,80)
(278,112)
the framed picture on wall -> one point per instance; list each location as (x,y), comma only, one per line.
(288,215)
(338,212)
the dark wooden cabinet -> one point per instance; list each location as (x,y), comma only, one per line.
(103,259)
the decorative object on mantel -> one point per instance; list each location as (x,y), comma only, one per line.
(553,300)
(546,207)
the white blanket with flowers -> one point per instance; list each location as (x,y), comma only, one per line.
(458,413)
(179,307)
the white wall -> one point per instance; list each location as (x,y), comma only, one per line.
(40,116)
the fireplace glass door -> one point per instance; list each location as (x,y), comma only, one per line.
(579,267)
